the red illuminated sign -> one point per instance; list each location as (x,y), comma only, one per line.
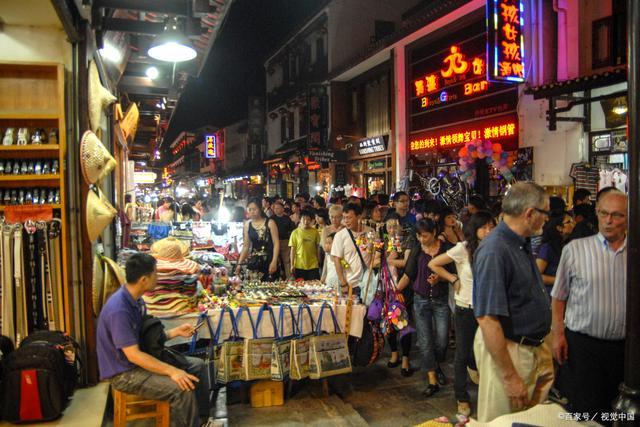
(505,40)
(449,83)
(500,129)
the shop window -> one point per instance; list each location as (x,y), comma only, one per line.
(303,120)
(283,128)
(354,117)
(319,49)
(290,126)
(609,37)
(377,106)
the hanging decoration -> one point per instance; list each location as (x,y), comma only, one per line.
(492,153)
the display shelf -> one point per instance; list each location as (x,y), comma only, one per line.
(13,178)
(54,206)
(28,115)
(30,147)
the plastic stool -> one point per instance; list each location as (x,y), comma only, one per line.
(129,407)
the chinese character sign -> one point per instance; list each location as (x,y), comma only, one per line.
(502,129)
(505,41)
(210,146)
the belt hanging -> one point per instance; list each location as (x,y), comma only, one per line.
(46,298)
(2,267)
(22,327)
(31,293)
(55,271)
(8,295)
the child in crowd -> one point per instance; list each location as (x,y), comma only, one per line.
(305,245)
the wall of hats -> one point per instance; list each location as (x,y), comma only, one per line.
(32,153)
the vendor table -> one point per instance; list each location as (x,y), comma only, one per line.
(244,328)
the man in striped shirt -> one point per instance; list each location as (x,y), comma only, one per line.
(588,305)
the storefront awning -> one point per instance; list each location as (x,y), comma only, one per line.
(579,84)
(247,170)
(293,145)
(273,159)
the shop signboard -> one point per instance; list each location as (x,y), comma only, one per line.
(374,145)
(341,174)
(322,156)
(376,164)
(211,146)
(317,136)
(448,81)
(502,129)
(505,41)
(144,177)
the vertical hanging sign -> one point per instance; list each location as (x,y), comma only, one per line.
(210,147)
(505,41)
(316,111)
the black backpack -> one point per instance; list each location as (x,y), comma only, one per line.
(368,348)
(152,341)
(41,376)
(6,348)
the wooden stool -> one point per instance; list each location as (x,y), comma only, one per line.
(128,407)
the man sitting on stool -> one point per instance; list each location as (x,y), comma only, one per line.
(133,371)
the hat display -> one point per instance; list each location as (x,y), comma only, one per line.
(100,213)
(97,284)
(169,248)
(99,97)
(114,277)
(95,160)
(129,124)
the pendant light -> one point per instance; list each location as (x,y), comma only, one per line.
(172,45)
(620,106)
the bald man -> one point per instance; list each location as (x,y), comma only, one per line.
(589,300)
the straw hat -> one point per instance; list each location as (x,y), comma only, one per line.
(97,284)
(99,97)
(129,123)
(169,248)
(100,213)
(114,277)
(95,160)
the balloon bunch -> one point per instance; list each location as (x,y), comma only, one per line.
(491,153)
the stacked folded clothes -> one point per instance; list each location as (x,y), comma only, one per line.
(177,288)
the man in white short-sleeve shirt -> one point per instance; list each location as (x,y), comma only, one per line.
(343,248)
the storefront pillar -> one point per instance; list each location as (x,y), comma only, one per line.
(629,399)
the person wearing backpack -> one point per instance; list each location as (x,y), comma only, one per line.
(129,369)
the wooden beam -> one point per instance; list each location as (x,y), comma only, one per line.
(69,19)
(144,27)
(170,7)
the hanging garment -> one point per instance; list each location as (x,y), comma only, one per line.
(49,321)
(606,179)
(619,179)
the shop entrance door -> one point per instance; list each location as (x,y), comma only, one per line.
(376,183)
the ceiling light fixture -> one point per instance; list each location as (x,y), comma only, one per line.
(172,45)
(620,106)
(152,72)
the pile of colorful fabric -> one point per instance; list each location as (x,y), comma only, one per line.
(178,282)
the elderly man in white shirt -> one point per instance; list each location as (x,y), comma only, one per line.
(589,309)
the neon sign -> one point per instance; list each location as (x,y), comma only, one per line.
(503,128)
(210,146)
(505,41)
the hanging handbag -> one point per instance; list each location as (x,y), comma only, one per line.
(281,349)
(329,353)
(257,350)
(300,347)
(231,351)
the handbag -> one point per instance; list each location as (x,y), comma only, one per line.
(281,348)
(329,353)
(230,353)
(376,308)
(207,353)
(257,351)
(367,275)
(300,347)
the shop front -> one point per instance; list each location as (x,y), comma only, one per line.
(369,168)
(462,116)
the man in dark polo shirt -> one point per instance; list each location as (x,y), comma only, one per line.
(511,346)
(285,227)
(129,369)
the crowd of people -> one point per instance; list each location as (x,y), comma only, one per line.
(517,284)
(499,267)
